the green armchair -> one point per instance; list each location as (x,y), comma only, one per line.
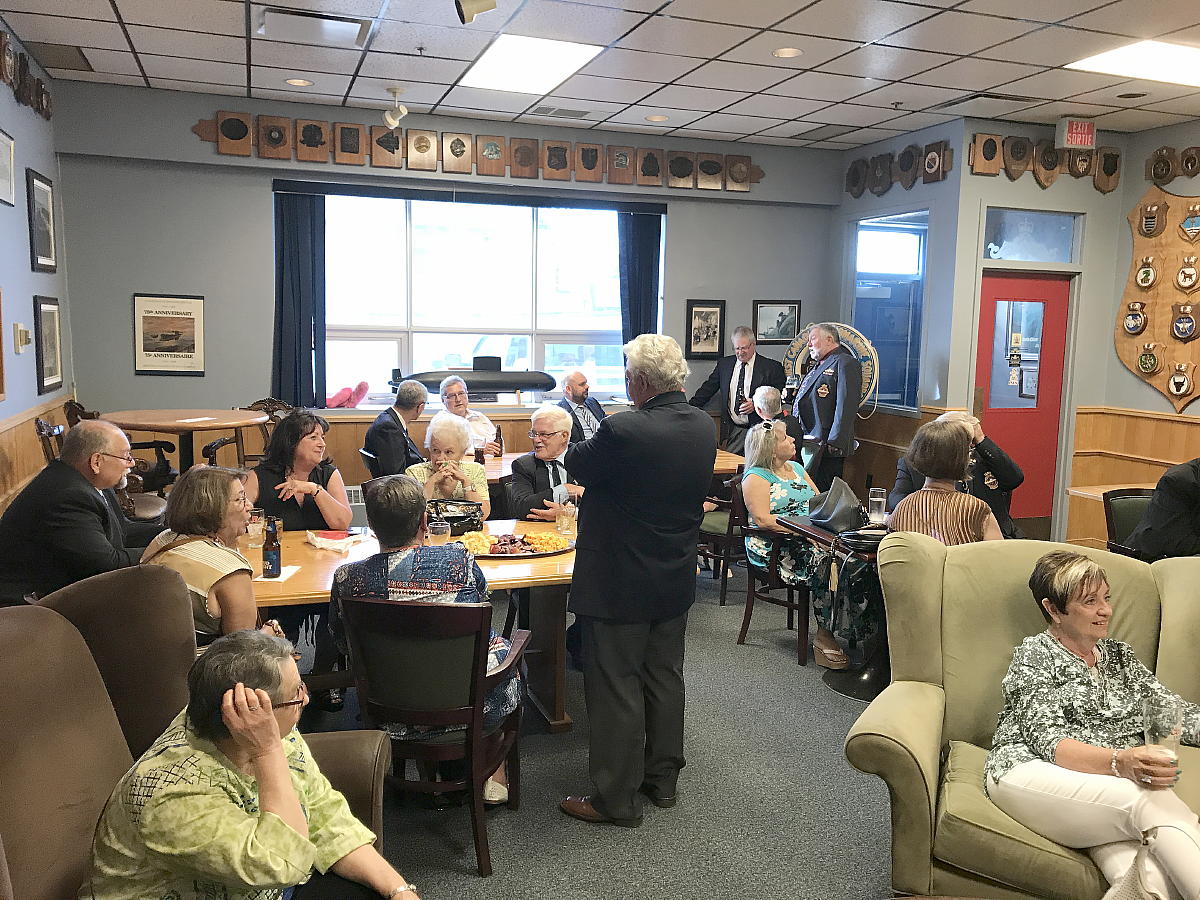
(954,616)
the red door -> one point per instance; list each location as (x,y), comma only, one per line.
(1019,374)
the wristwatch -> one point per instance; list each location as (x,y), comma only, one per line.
(396,891)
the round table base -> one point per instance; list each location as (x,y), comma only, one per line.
(863,684)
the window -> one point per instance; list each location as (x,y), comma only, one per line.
(422,285)
(1029,236)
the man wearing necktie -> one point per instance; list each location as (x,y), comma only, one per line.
(736,378)
(586,414)
(540,483)
(826,405)
(388,438)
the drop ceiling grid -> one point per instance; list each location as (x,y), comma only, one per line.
(711,72)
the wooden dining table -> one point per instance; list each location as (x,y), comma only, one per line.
(185,423)
(500,467)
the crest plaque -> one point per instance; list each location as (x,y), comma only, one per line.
(458,152)
(1163,166)
(1018,154)
(312,141)
(1080,163)
(491,154)
(985,155)
(1152,219)
(1183,324)
(1180,381)
(1134,322)
(1190,226)
(1148,362)
(936,163)
(710,171)
(681,169)
(879,182)
(620,165)
(386,148)
(856,177)
(1189,162)
(1146,275)
(1107,174)
(589,162)
(274,137)
(907,166)
(1187,279)
(1047,163)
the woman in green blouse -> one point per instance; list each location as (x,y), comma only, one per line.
(1068,759)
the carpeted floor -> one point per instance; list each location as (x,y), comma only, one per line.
(768,806)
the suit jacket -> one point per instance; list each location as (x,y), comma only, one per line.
(1170,525)
(60,530)
(647,472)
(993,479)
(766,371)
(576,429)
(389,440)
(530,485)
(828,400)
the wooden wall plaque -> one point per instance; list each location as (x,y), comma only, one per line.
(349,144)
(234,134)
(589,162)
(1107,173)
(422,150)
(313,142)
(1018,155)
(523,157)
(458,152)
(491,155)
(649,167)
(710,171)
(387,148)
(556,160)
(621,162)
(681,169)
(1081,163)
(1047,162)
(737,173)
(274,137)
(985,156)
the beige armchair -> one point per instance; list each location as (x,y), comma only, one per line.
(954,616)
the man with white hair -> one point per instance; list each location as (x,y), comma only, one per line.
(735,378)
(768,405)
(66,525)
(586,413)
(827,403)
(455,398)
(646,472)
(540,483)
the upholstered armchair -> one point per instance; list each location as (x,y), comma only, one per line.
(954,615)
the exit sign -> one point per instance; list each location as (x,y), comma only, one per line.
(1075,134)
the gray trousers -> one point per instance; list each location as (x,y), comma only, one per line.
(735,439)
(633,686)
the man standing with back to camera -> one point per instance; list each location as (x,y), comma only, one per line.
(646,472)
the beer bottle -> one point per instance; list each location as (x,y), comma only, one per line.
(499,442)
(271,550)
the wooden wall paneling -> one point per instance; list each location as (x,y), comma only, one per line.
(21,451)
(882,438)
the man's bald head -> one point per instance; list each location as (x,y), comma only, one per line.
(99,451)
(575,387)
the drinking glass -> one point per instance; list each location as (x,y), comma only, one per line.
(439,533)
(254,529)
(1162,719)
(877,506)
(564,520)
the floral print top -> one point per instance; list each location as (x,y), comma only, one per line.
(1050,694)
(788,498)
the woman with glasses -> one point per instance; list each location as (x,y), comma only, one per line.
(446,475)
(207,512)
(457,401)
(229,802)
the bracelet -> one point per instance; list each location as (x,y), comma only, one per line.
(399,890)
(1112,763)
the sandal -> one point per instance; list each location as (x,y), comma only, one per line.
(830,658)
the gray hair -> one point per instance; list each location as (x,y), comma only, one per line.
(448,382)
(761,440)
(89,437)
(559,418)
(395,505)
(250,657)
(744,331)
(768,399)
(830,330)
(658,359)
(199,501)
(410,394)
(960,417)
(448,427)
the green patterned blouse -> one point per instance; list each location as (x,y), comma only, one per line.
(1049,695)
(184,824)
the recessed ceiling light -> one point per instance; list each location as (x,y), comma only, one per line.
(1137,95)
(787,52)
(527,65)
(299,82)
(656,118)
(1151,60)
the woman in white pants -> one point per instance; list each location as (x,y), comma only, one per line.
(1068,758)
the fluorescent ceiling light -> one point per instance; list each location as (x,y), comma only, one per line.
(1151,60)
(527,65)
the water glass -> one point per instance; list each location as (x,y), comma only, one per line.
(258,519)
(565,521)
(439,533)
(877,506)
(1162,719)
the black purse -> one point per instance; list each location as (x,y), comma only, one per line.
(837,509)
(463,515)
(861,540)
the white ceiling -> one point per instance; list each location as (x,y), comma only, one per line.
(870,68)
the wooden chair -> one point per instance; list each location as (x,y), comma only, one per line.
(760,582)
(720,542)
(1123,510)
(275,410)
(371,461)
(425,664)
(146,477)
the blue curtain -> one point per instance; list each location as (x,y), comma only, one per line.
(640,237)
(298,360)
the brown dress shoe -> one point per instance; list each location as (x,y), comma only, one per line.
(581,808)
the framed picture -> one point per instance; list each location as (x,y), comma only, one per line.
(1029,384)
(8,170)
(776,321)
(1,354)
(168,334)
(47,341)
(705,329)
(42,255)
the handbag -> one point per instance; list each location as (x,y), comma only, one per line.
(861,540)
(837,509)
(463,515)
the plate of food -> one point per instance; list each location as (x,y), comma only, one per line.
(506,546)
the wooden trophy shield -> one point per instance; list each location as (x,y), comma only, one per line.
(937,162)
(1163,166)
(491,154)
(649,169)
(879,182)
(710,171)
(556,160)
(274,137)
(856,177)
(589,162)
(387,148)
(350,144)
(1189,162)
(234,135)
(621,162)
(1081,163)
(1018,156)
(523,158)
(1047,163)
(1107,175)
(422,149)
(906,167)
(737,173)
(457,152)
(312,141)
(681,169)
(986,157)
(8,59)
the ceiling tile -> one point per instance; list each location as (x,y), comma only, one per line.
(684,37)
(870,135)
(61,30)
(917,121)
(207,16)
(336,7)
(794,129)
(322,82)
(471,113)
(700,134)
(304,58)
(401,68)
(451,43)
(114,62)
(816,50)
(758,14)
(196,87)
(822,132)
(855,20)
(1155,91)
(986,107)
(79,9)
(1137,120)
(638,65)
(1185,36)
(362,103)
(907,97)
(612,90)
(635,5)
(1052,112)
(1138,18)
(893,63)
(556,121)
(636,115)
(829,145)
(643,129)
(776,107)
(682,97)
(964,32)
(975,74)
(414,92)
(440,12)
(735,124)
(192,44)
(734,76)
(825,86)
(777,141)
(1187,106)
(100,77)
(1054,46)
(1057,84)
(195,70)
(597,109)
(1035,10)
(501,101)
(849,114)
(560,21)
(296,96)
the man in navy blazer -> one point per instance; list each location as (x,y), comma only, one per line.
(388,438)
(736,378)
(827,403)
(586,413)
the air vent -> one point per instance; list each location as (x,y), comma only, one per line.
(561,113)
(296,27)
(983,95)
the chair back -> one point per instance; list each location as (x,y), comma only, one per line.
(372,463)
(738,517)
(51,438)
(141,613)
(61,752)
(1123,510)
(76,412)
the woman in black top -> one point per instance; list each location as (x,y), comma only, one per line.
(295,482)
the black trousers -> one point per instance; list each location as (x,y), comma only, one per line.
(633,686)
(827,469)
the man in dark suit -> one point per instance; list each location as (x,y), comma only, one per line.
(388,436)
(586,413)
(65,526)
(768,404)
(646,472)
(735,379)
(826,405)
(1170,525)
(540,483)
(994,475)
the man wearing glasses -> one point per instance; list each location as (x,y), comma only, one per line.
(66,525)
(540,483)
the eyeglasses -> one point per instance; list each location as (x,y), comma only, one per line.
(301,696)
(128,457)
(240,499)
(544,435)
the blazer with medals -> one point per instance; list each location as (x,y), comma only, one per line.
(829,398)
(530,485)
(389,440)
(766,371)
(646,472)
(593,407)
(994,476)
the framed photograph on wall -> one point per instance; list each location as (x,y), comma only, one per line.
(776,321)
(705,329)
(42,254)
(168,334)
(1027,389)
(8,170)
(47,341)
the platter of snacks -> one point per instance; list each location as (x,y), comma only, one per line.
(506,546)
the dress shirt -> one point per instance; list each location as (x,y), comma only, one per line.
(482,429)
(736,414)
(587,421)
(559,478)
